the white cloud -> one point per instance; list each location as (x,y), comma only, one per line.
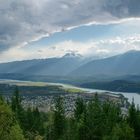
(101,48)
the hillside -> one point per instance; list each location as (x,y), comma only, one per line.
(120,65)
(50,67)
(116,85)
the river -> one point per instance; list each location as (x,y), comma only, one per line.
(130,96)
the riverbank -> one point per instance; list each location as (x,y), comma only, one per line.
(71,88)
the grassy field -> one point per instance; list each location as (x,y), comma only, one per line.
(23,83)
(73,90)
(38,88)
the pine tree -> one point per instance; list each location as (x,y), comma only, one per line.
(79,108)
(38,121)
(16,101)
(111,115)
(18,109)
(134,119)
(9,127)
(58,118)
(94,119)
(121,131)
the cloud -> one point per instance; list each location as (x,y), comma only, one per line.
(114,46)
(101,48)
(97,49)
(28,20)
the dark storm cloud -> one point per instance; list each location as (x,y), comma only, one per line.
(22,21)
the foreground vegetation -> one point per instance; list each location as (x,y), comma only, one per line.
(94,120)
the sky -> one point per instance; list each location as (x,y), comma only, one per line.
(38,29)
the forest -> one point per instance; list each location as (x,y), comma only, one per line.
(93,120)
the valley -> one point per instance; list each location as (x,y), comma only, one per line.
(112,73)
(70,70)
(72,76)
(42,94)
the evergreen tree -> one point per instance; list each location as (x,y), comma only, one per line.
(134,119)
(38,121)
(94,119)
(80,119)
(58,118)
(79,108)
(18,109)
(9,127)
(29,120)
(70,129)
(121,131)
(16,101)
(111,115)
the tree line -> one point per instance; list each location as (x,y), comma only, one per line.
(94,120)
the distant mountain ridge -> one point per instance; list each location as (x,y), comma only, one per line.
(51,66)
(74,65)
(119,65)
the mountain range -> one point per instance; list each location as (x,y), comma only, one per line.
(119,65)
(71,65)
(50,67)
